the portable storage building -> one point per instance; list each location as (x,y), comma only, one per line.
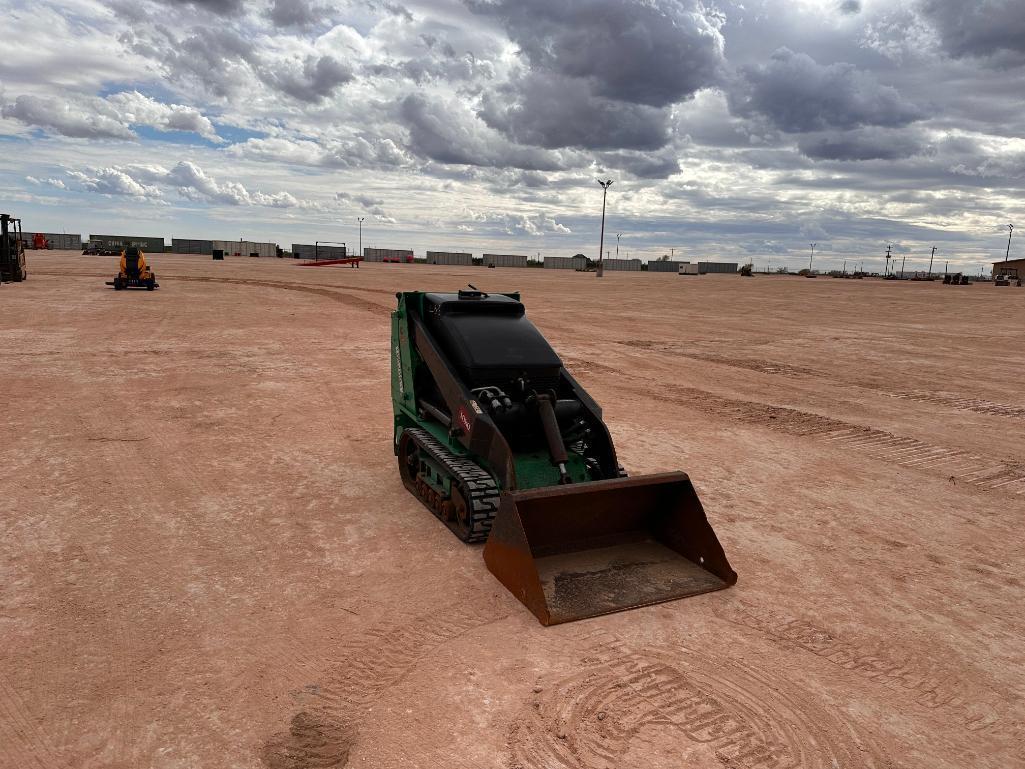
(189,246)
(665,266)
(505,260)
(450,258)
(688,269)
(246,247)
(623,265)
(565,263)
(148,245)
(402,255)
(58,240)
(318,251)
(707,267)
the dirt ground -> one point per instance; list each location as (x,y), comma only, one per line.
(207,558)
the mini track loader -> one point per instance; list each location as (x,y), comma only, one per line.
(12,250)
(498,440)
(134,272)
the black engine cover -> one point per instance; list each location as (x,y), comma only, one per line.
(490,341)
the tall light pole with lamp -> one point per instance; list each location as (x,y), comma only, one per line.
(601,245)
(812,257)
(1010,231)
(360,220)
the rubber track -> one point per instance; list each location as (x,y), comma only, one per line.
(479,489)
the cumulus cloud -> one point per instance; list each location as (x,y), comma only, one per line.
(186,178)
(65,118)
(357,152)
(513,224)
(798,94)
(107,118)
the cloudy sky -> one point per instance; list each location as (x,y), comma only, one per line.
(732,129)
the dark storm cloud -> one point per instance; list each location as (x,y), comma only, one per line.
(850,7)
(314,80)
(654,53)
(643,165)
(600,74)
(863,144)
(554,112)
(295,13)
(220,7)
(798,94)
(447,134)
(979,28)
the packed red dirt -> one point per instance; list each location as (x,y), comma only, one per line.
(207,558)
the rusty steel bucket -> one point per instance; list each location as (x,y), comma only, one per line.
(581,550)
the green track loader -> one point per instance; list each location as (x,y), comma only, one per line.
(498,440)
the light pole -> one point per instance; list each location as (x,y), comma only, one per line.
(1010,231)
(812,257)
(931,257)
(888,257)
(618,236)
(601,245)
(360,220)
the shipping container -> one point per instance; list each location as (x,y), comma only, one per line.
(147,244)
(505,260)
(449,258)
(58,240)
(400,255)
(665,266)
(190,246)
(706,267)
(688,269)
(578,263)
(318,251)
(246,247)
(623,265)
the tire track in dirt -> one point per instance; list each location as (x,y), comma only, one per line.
(950,400)
(624,702)
(925,682)
(958,465)
(384,656)
(337,296)
(22,743)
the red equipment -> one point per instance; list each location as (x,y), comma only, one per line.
(352,261)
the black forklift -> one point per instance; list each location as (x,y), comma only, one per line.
(12,250)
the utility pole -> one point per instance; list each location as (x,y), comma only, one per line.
(888,257)
(903,259)
(812,257)
(618,236)
(601,243)
(1010,231)
(931,257)
(844,266)
(360,220)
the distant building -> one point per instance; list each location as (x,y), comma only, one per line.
(1015,267)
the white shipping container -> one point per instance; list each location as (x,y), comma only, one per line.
(688,269)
